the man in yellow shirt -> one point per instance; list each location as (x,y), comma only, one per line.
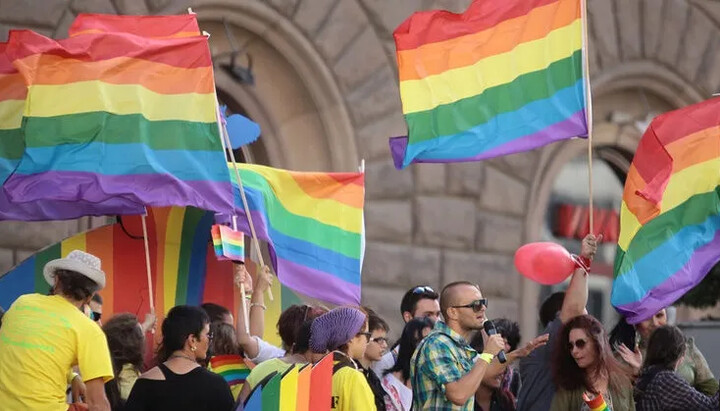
(42,337)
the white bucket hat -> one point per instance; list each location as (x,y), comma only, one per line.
(78,261)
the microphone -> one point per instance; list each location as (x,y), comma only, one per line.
(490,330)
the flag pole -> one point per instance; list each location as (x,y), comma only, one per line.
(243,294)
(147,262)
(588,107)
(255,243)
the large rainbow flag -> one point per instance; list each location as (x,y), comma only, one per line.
(670,214)
(184,267)
(313,224)
(181,25)
(137,121)
(503,77)
(13,93)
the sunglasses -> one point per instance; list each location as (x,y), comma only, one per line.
(580,344)
(210,336)
(95,316)
(422,290)
(476,305)
(379,340)
(367,336)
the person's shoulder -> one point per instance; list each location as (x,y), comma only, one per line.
(153,374)
(209,376)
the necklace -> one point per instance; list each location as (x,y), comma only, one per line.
(348,357)
(181,356)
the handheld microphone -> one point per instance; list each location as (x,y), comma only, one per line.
(490,330)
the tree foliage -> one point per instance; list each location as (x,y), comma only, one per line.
(707,293)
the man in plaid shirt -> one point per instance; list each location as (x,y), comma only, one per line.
(443,371)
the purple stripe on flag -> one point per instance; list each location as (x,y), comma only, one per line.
(149,189)
(317,284)
(45,210)
(670,290)
(572,126)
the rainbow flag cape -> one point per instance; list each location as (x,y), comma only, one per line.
(137,121)
(271,394)
(232,368)
(13,93)
(670,214)
(289,389)
(321,384)
(596,404)
(303,389)
(503,77)
(182,25)
(228,244)
(313,224)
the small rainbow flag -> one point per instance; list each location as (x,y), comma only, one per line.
(313,224)
(670,214)
(503,77)
(232,368)
(122,95)
(228,244)
(596,404)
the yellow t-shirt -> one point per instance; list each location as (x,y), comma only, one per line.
(351,392)
(41,338)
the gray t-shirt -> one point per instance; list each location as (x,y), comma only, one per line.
(538,388)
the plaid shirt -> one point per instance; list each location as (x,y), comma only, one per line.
(665,390)
(443,357)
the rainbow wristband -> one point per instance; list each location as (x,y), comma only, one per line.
(597,404)
(487,357)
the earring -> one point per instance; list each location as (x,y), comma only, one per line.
(193,348)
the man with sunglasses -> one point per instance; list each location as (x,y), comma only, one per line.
(538,388)
(418,302)
(444,371)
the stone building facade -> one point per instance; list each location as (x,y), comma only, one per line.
(326,96)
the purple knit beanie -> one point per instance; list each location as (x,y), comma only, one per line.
(335,328)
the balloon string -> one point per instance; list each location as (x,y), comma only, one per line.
(580,263)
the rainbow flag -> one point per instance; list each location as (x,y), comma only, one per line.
(670,214)
(228,244)
(503,77)
(182,25)
(122,97)
(13,93)
(596,404)
(289,389)
(232,368)
(313,224)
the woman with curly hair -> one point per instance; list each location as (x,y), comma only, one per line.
(126,341)
(585,371)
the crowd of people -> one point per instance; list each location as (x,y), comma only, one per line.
(57,352)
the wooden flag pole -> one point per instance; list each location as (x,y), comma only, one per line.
(243,294)
(255,243)
(147,263)
(588,108)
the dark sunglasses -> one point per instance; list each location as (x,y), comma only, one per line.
(379,340)
(95,316)
(210,336)
(367,336)
(580,344)
(422,290)
(476,305)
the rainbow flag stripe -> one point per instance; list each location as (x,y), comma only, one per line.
(315,229)
(231,367)
(122,96)
(182,25)
(503,77)
(228,244)
(597,404)
(670,214)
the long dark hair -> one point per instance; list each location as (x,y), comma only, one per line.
(665,347)
(181,322)
(127,346)
(411,337)
(622,333)
(569,376)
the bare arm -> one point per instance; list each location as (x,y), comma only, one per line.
(95,395)
(257,303)
(576,295)
(245,339)
(458,392)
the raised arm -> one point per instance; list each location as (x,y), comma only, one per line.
(576,295)
(257,303)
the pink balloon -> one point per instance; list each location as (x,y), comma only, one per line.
(545,263)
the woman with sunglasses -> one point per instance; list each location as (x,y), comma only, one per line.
(343,332)
(585,370)
(179,382)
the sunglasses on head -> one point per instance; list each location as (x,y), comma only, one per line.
(476,305)
(580,344)
(422,290)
